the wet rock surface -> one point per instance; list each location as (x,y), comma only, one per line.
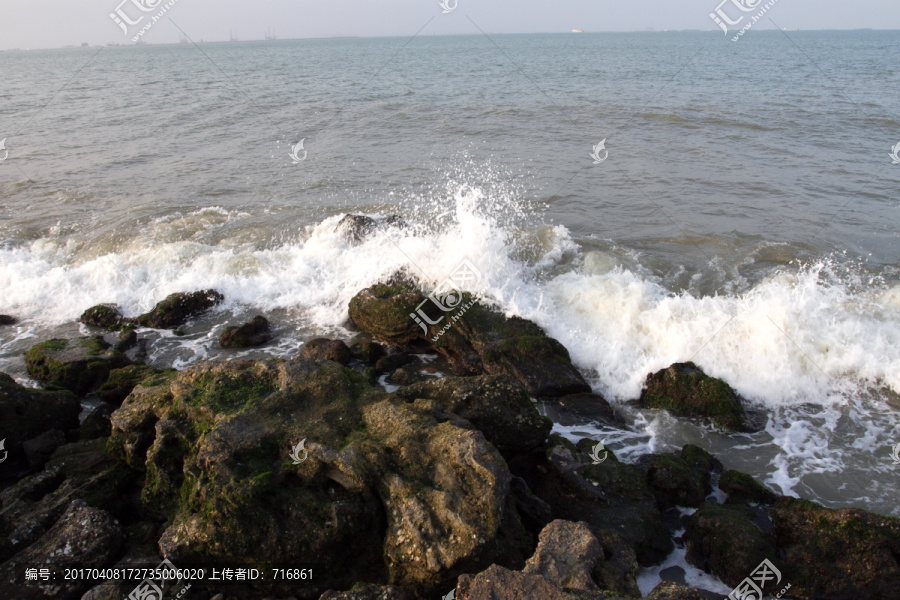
(176,309)
(80,365)
(325,349)
(685,389)
(255,332)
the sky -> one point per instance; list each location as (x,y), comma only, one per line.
(33,24)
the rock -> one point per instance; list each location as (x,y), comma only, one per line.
(370,592)
(743,489)
(618,571)
(7,320)
(703,463)
(128,338)
(674,482)
(29,413)
(80,365)
(368,352)
(325,349)
(473,338)
(610,496)
(836,554)
(404,376)
(725,541)
(588,407)
(178,308)
(392,362)
(498,583)
(84,537)
(97,423)
(38,450)
(122,381)
(105,316)
(355,227)
(565,556)
(670,590)
(248,335)
(495,405)
(686,390)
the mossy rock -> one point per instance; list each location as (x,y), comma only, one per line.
(684,389)
(28,413)
(742,489)
(105,316)
(325,349)
(253,333)
(674,482)
(846,554)
(540,363)
(79,365)
(725,541)
(383,311)
(122,381)
(178,308)
(703,463)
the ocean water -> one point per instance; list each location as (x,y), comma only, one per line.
(746,217)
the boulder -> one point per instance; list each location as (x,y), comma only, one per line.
(743,489)
(674,482)
(383,311)
(540,363)
(80,365)
(97,423)
(367,591)
(368,352)
(6,320)
(38,450)
(128,338)
(498,583)
(356,228)
(104,316)
(725,541)
(122,381)
(703,464)
(610,496)
(684,389)
(496,405)
(28,413)
(836,554)
(250,334)
(670,590)
(325,349)
(392,362)
(176,309)
(84,537)
(565,556)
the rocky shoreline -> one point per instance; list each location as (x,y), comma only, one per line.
(389,478)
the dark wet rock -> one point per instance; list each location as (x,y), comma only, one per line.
(846,554)
(392,362)
(404,376)
(84,537)
(368,352)
(370,592)
(674,482)
(355,228)
(684,389)
(105,316)
(565,556)
(96,424)
(703,463)
(178,308)
(743,489)
(609,496)
(253,333)
(670,590)
(472,337)
(325,349)
(38,450)
(495,405)
(618,570)
(128,338)
(80,365)
(725,541)
(122,381)
(7,320)
(28,413)
(498,583)
(588,407)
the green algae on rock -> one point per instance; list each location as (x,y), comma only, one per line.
(176,309)
(80,365)
(686,390)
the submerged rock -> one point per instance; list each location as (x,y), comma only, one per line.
(178,308)
(250,334)
(325,349)
(105,316)
(684,389)
(80,365)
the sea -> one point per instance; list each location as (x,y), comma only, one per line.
(647,198)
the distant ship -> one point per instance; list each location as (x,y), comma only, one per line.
(233,37)
(270,35)
(578,31)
